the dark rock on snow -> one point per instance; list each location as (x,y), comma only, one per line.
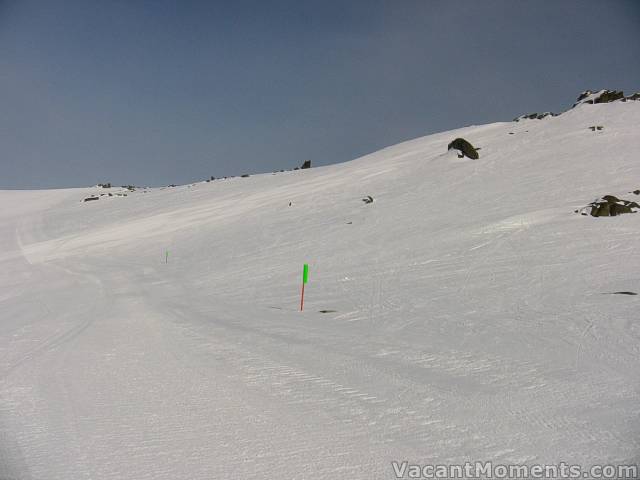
(609,206)
(605,97)
(535,116)
(306,164)
(465,148)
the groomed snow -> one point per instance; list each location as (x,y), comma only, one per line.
(472,314)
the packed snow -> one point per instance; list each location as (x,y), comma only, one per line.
(470,314)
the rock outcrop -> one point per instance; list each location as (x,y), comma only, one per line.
(604,96)
(535,116)
(589,97)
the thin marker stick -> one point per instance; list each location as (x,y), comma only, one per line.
(305,278)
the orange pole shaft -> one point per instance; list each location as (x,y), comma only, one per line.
(302,298)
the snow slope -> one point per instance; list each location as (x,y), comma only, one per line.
(471,315)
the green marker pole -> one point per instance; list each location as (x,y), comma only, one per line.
(305,277)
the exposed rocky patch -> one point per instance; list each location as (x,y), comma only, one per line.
(609,206)
(97,196)
(604,96)
(535,116)
(588,96)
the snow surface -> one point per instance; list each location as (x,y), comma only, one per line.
(472,315)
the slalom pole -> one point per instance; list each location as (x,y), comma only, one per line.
(166,257)
(305,277)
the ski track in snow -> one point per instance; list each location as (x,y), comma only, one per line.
(467,317)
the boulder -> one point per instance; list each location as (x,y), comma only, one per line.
(465,148)
(306,164)
(609,206)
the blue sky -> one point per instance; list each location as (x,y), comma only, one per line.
(159,92)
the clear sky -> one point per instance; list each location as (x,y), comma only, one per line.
(158,92)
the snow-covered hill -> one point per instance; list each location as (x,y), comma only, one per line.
(470,314)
